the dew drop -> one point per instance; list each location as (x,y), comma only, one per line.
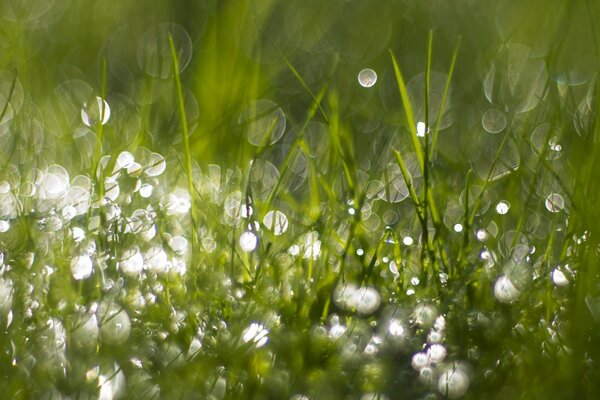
(367,77)
(4,187)
(81,267)
(115,323)
(559,278)
(96,112)
(156,165)
(505,291)
(276,221)
(502,207)
(437,353)
(248,241)
(367,300)
(131,262)
(454,382)
(421,129)
(420,361)
(146,190)
(179,244)
(4,226)
(554,202)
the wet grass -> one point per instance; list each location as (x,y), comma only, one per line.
(255,221)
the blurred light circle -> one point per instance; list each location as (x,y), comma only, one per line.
(154,50)
(367,77)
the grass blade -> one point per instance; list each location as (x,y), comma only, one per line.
(411,189)
(408,112)
(438,119)
(186,144)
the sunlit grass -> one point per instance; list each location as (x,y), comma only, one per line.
(298,200)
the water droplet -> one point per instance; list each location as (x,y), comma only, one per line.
(85,332)
(111,188)
(4,187)
(81,267)
(124,160)
(95,112)
(131,262)
(156,258)
(256,333)
(559,278)
(458,228)
(179,244)
(554,202)
(156,165)
(178,202)
(502,207)
(421,129)
(437,353)
(407,240)
(312,246)
(505,291)
(454,382)
(4,226)
(248,241)
(493,121)
(481,235)
(276,221)
(115,325)
(420,361)
(112,383)
(544,139)
(146,190)
(366,300)
(367,77)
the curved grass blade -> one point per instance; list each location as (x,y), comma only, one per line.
(408,112)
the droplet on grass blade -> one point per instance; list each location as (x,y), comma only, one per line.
(95,112)
(554,202)
(454,382)
(131,262)
(505,291)
(559,278)
(81,267)
(256,333)
(420,361)
(502,207)
(156,165)
(366,300)
(248,241)
(115,325)
(276,221)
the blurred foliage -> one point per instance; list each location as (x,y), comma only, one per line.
(279,120)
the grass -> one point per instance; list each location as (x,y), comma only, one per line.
(253,222)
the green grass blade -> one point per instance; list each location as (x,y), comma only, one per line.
(408,112)
(438,119)
(411,189)
(186,144)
